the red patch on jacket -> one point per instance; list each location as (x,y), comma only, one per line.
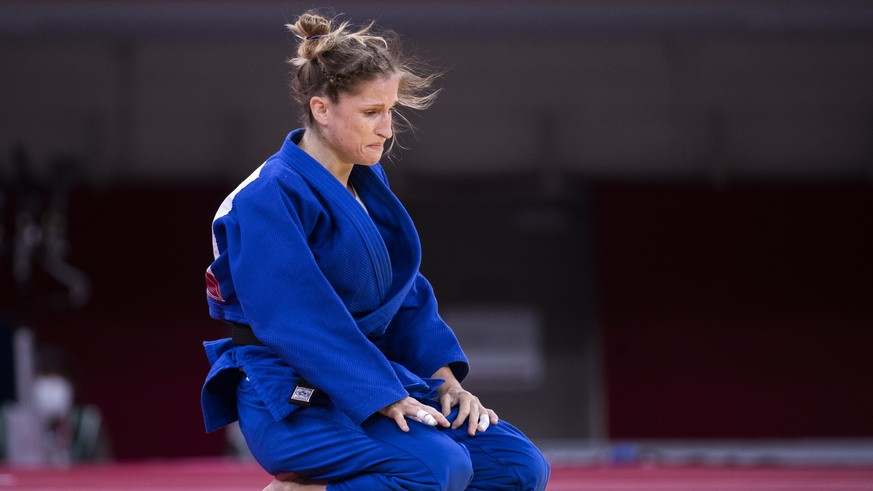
(213,289)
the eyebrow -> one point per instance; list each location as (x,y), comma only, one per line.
(379,104)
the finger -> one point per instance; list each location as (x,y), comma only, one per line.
(446,404)
(401,421)
(439,418)
(494,418)
(484,422)
(473,421)
(463,412)
(425,417)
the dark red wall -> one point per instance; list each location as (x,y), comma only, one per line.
(137,344)
(745,312)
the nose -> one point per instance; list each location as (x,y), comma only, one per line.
(385,128)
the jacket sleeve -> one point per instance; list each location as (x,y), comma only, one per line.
(419,339)
(294,310)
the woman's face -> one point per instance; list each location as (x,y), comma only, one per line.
(358,123)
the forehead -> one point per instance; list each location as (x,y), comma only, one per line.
(381,90)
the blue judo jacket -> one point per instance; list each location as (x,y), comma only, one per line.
(332,289)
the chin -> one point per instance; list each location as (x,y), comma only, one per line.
(370,160)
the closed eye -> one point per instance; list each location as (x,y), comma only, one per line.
(372,111)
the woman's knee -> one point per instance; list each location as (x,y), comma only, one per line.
(444,469)
(452,467)
(533,470)
(517,467)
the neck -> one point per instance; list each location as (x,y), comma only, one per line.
(312,144)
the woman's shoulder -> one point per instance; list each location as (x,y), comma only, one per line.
(273,189)
(276,178)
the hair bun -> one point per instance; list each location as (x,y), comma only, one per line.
(310,24)
(311,28)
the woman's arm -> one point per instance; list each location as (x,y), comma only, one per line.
(419,339)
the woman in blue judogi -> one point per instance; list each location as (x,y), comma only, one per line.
(340,371)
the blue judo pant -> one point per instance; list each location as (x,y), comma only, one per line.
(321,442)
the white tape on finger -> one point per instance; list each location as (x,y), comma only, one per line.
(426,417)
(484,422)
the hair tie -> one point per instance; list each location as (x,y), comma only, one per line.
(315,36)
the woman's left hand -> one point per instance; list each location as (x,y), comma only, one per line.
(470,409)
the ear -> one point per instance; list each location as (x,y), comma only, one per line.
(319,107)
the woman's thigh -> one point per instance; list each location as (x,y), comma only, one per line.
(322,443)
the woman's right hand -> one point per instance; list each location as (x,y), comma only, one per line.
(411,408)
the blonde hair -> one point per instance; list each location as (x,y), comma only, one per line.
(332,60)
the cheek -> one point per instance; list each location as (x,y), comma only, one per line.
(347,127)
(349,134)
(349,137)
(355,133)
(340,132)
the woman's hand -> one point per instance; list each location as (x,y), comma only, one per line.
(411,408)
(451,394)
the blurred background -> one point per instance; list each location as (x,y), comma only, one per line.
(648,221)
